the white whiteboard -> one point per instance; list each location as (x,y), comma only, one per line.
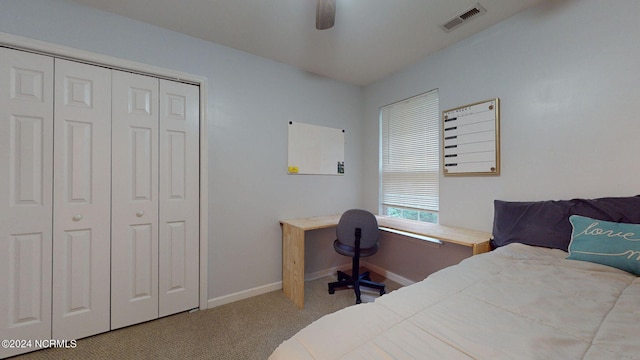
(315,149)
(471,139)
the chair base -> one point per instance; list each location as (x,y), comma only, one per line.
(364,279)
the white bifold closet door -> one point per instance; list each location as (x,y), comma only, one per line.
(134,262)
(179,197)
(99,198)
(26,156)
(155,198)
(82,199)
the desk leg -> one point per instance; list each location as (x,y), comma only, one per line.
(481,248)
(293,264)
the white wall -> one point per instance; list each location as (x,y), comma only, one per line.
(414,259)
(567,76)
(251,100)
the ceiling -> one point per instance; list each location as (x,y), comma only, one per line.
(370,40)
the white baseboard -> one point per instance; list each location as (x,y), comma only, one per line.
(387,274)
(326,272)
(222,300)
(226,299)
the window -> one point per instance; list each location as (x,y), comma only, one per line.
(409,158)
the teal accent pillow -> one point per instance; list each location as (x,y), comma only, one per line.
(604,242)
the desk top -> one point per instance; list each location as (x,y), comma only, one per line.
(448,234)
(313,223)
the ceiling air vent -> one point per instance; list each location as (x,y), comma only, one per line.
(463,17)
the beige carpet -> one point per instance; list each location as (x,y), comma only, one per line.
(243,330)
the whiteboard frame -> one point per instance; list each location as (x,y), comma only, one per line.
(495,169)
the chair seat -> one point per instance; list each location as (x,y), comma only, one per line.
(347,250)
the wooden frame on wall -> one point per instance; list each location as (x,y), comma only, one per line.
(471,139)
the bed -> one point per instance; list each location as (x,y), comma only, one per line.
(554,295)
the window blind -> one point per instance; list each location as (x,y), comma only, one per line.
(409,156)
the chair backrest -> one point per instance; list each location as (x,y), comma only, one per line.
(357,218)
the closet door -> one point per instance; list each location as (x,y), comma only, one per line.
(134,231)
(81,221)
(26,148)
(179,197)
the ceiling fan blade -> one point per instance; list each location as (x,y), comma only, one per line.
(325,14)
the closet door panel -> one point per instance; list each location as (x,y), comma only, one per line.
(26,148)
(179,197)
(134,243)
(81,224)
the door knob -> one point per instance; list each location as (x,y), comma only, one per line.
(77,217)
(140,213)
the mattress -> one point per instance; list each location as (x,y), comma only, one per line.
(516,302)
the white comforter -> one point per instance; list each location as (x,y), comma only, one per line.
(517,302)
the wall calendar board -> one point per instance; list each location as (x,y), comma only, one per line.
(315,149)
(471,139)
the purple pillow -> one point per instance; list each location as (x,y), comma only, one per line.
(546,223)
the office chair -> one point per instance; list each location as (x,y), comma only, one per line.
(357,234)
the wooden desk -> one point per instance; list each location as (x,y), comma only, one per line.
(293,234)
